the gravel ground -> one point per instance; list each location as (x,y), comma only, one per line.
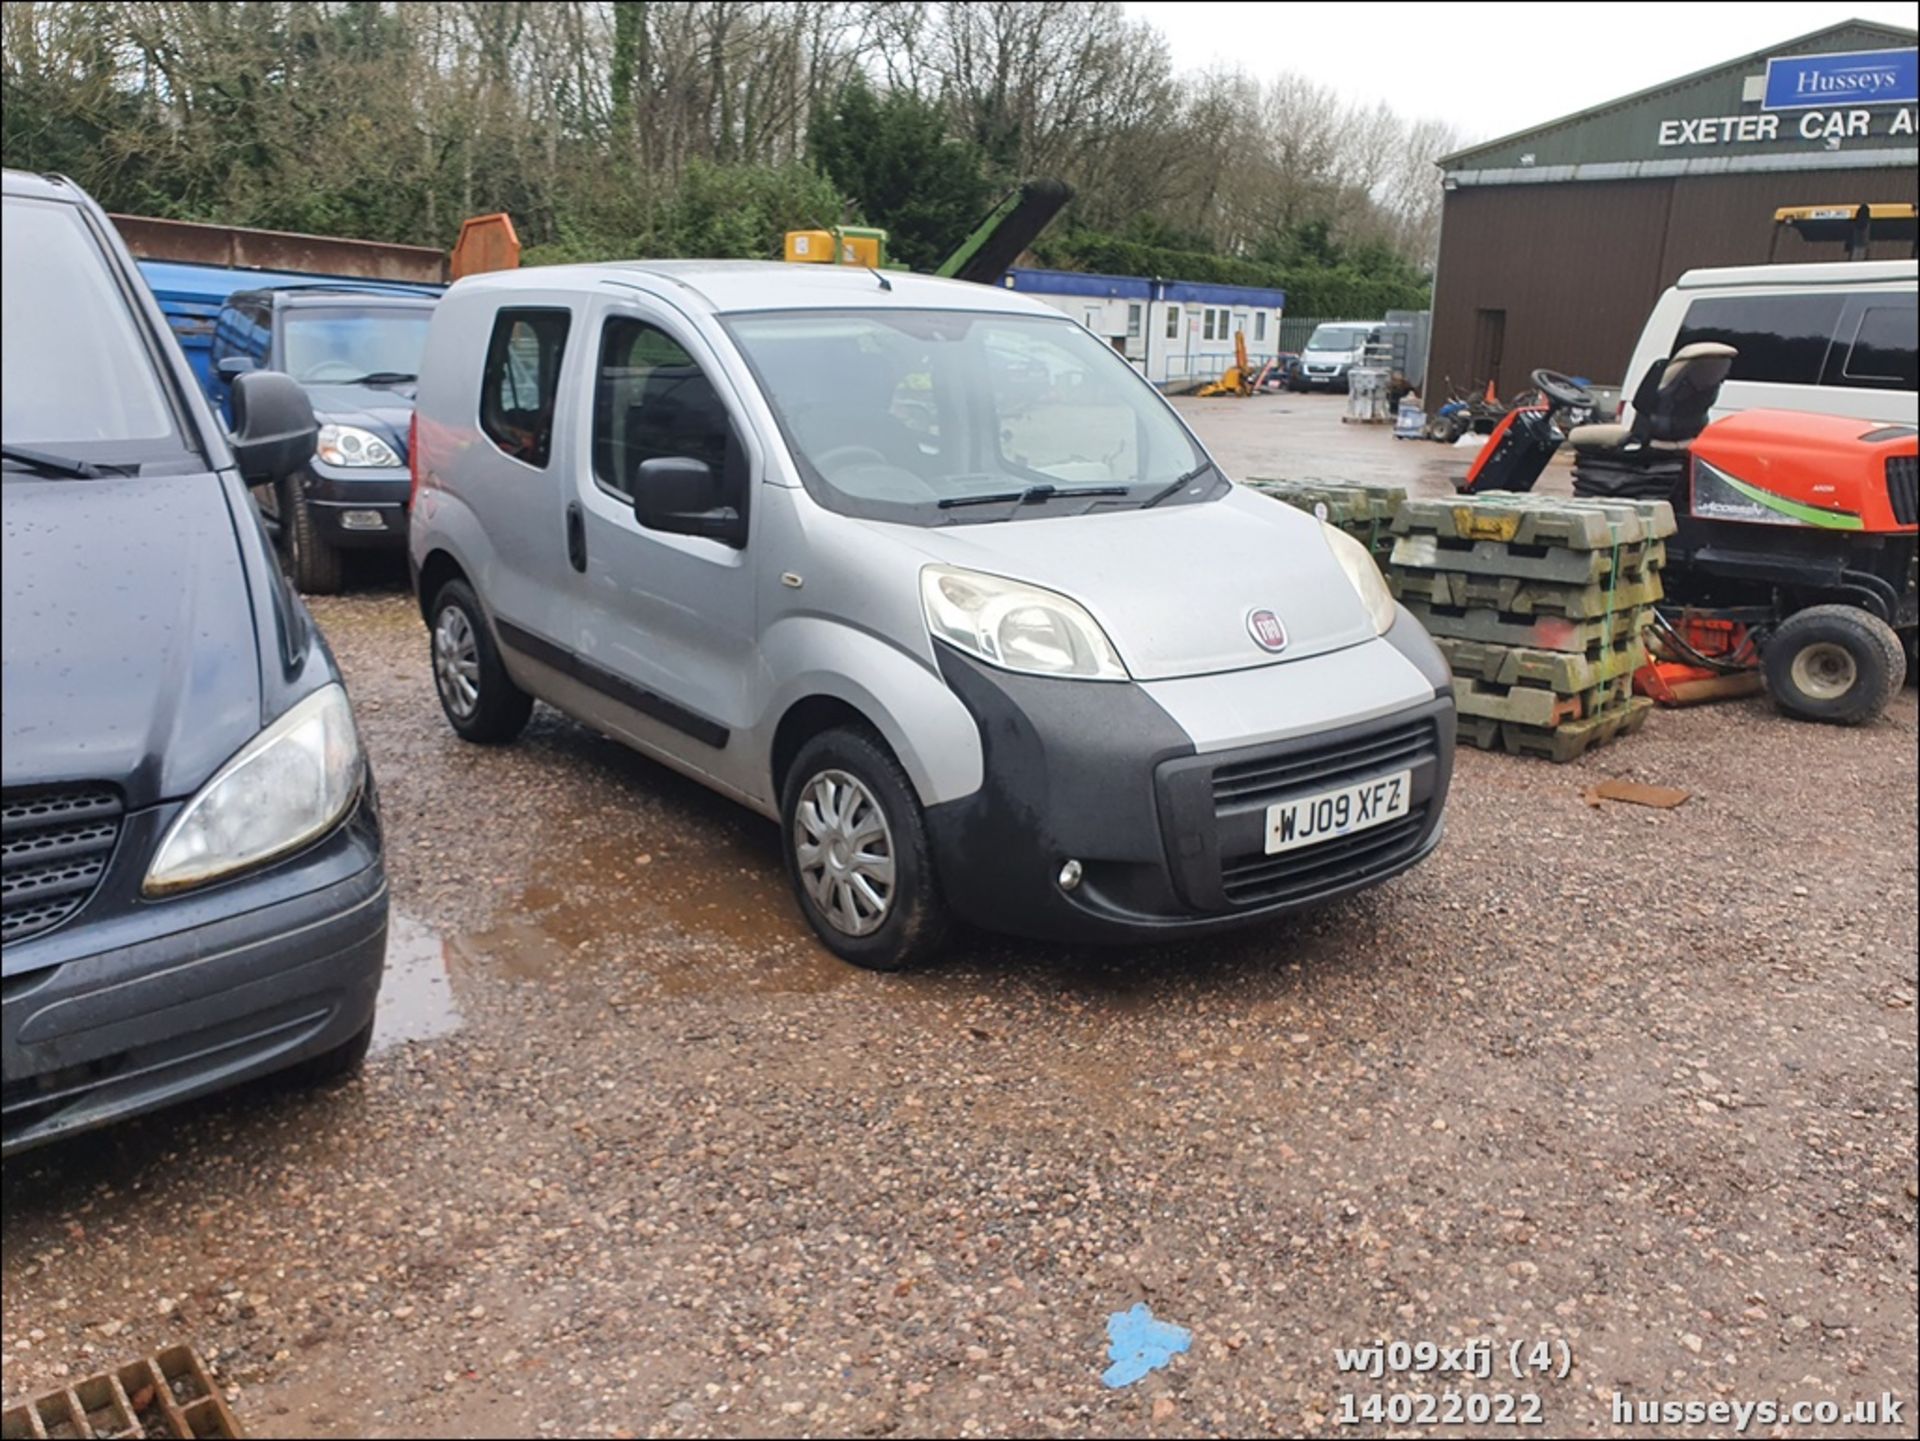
(635,1157)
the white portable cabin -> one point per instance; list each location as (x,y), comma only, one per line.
(1171,330)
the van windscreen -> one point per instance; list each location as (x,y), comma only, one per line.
(79,376)
(946,417)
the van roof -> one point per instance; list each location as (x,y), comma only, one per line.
(736,285)
(1832,272)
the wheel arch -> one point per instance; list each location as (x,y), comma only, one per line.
(436,570)
(837,675)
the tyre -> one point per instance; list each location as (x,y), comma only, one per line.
(856,851)
(313,564)
(478,697)
(1834,663)
(339,1064)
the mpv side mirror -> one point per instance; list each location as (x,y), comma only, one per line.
(683,496)
(230,367)
(273,426)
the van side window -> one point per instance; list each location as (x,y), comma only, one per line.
(651,401)
(1882,354)
(1782,339)
(519,381)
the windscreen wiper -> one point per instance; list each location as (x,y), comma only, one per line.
(1032,495)
(47,463)
(379,377)
(1179,485)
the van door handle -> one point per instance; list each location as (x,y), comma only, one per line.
(576,536)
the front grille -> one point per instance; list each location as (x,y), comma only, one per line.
(1903,488)
(1295,875)
(1260,782)
(55,842)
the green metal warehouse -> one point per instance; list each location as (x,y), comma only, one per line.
(1556,242)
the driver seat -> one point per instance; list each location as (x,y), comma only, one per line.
(1671,406)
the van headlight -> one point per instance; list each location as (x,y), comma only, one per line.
(1016,626)
(350,445)
(1364,575)
(292,782)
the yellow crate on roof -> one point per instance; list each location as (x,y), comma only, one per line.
(859,245)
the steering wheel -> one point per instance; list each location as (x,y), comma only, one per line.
(842,457)
(332,369)
(1562,389)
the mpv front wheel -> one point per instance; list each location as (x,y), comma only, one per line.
(857,854)
(479,698)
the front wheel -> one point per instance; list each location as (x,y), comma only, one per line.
(857,854)
(1834,663)
(314,564)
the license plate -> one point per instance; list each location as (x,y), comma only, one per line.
(1312,819)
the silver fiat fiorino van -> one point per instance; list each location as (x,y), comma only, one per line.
(927,573)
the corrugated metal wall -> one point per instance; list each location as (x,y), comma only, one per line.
(1567,272)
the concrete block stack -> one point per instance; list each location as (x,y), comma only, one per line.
(1539,604)
(1364,512)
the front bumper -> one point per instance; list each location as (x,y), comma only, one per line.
(133,1005)
(1171,840)
(355,508)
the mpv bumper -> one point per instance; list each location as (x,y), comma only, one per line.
(1171,840)
(149,1003)
(357,507)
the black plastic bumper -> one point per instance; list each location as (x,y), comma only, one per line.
(342,506)
(149,1003)
(1099,773)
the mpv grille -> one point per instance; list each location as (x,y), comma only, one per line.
(1903,488)
(1258,782)
(55,842)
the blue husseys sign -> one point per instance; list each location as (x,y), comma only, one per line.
(1859,77)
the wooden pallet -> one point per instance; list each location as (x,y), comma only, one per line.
(1591,637)
(1537,705)
(1556,564)
(1558,671)
(1537,521)
(1560,744)
(1516,596)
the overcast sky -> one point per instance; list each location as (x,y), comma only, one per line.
(1491,69)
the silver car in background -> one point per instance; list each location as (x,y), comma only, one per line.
(926,573)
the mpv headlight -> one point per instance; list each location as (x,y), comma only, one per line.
(1020,627)
(350,445)
(1364,575)
(292,782)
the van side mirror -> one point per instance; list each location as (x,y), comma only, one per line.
(231,367)
(682,496)
(273,426)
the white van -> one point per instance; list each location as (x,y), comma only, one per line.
(1334,348)
(929,574)
(1831,339)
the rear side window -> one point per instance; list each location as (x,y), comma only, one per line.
(652,401)
(1782,339)
(1881,355)
(520,380)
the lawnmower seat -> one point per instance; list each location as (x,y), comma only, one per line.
(1671,406)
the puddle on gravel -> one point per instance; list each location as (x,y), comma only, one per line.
(709,915)
(416,996)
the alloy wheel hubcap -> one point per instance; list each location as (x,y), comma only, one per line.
(1824,671)
(456,661)
(844,849)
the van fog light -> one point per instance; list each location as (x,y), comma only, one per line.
(362,520)
(1070,875)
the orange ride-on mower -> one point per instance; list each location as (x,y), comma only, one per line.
(1797,541)
(1802,528)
